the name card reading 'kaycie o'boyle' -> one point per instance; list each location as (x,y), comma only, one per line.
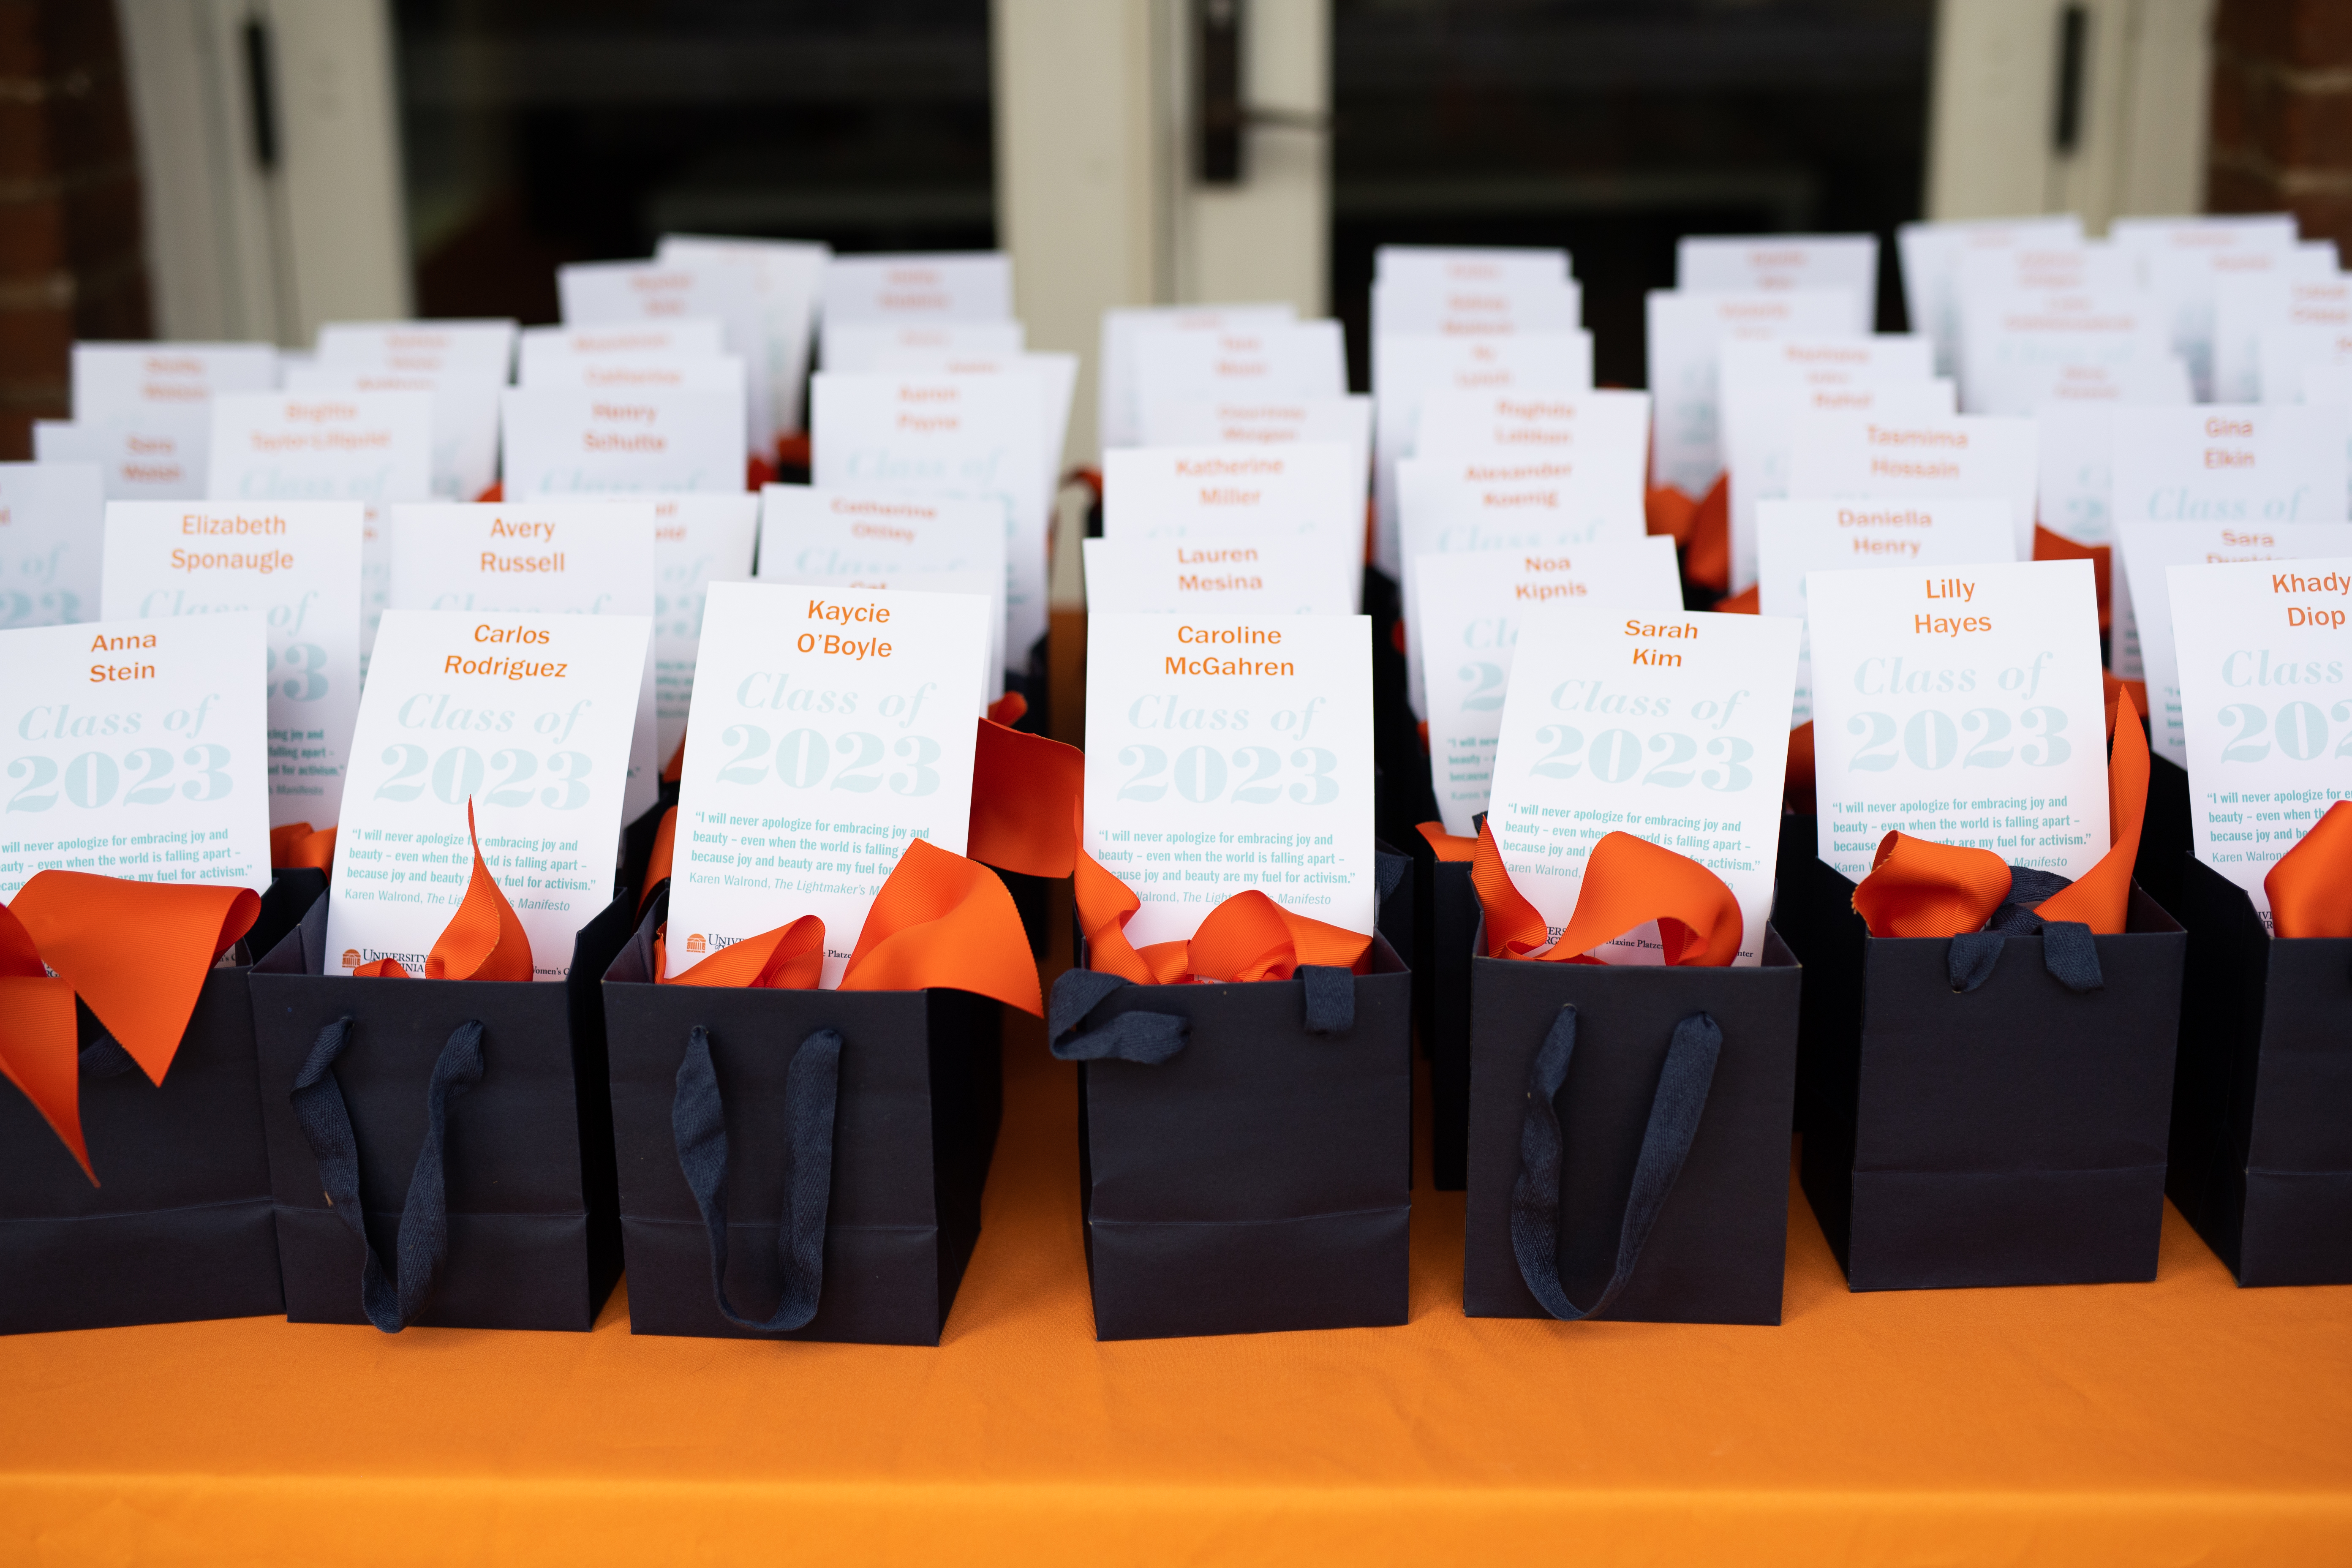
(1226,754)
(523,719)
(831,729)
(134,749)
(1963,705)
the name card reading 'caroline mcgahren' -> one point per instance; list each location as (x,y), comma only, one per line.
(1673,729)
(525,716)
(135,749)
(830,728)
(1962,704)
(1226,754)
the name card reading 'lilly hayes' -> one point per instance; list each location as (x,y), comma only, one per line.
(832,727)
(698,541)
(527,717)
(1672,731)
(50,516)
(2266,702)
(296,562)
(566,558)
(134,749)
(1797,537)
(1473,607)
(1244,571)
(1961,704)
(1226,754)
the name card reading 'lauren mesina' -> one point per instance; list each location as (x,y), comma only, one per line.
(831,729)
(525,716)
(1226,754)
(135,749)
(297,562)
(2266,673)
(1675,730)
(1961,704)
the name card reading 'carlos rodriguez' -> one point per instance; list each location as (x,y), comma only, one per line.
(1675,730)
(525,716)
(831,729)
(135,749)
(2266,704)
(1960,704)
(1226,754)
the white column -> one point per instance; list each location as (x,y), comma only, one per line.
(1268,238)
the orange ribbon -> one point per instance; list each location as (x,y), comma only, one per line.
(1701,527)
(2049,546)
(2310,888)
(483,941)
(296,846)
(1917,887)
(1447,846)
(1748,601)
(1628,883)
(136,952)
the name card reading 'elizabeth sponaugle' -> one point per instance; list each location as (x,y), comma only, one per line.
(1960,704)
(526,719)
(831,729)
(1226,754)
(136,749)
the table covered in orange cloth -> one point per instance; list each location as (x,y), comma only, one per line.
(2183,1421)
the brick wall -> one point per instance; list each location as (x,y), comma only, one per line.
(71,257)
(2283,113)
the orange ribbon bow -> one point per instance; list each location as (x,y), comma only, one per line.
(1628,883)
(2310,887)
(142,989)
(295,846)
(1917,887)
(483,941)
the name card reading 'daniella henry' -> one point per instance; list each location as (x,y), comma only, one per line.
(1964,705)
(525,716)
(297,562)
(1672,731)
(2265,659)
(831,729)
(1225,755)
(135,749)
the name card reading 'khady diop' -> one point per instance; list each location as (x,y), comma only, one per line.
(524,718)
(134,749)
(831,729)
(1226,754)
(1961,704)
(1675,730)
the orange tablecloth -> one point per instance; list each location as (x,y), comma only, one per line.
(2184,1421)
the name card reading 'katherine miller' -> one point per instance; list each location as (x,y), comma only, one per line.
(1673,731)
(134,749)
(1961,704)
(1225,755)
(297,562)
(832,727)
(525,716)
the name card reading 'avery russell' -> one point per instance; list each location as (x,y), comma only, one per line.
(831,729)
(297,562)
(1673,731)
(2266,651)
(1226,754)
(527,717)
(135,749)
(1960,704)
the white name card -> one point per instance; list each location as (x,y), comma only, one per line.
(688,337)
(568,442)
(156,453)
(1234,572)
(601,293)
(1309,491)
(1760,428)
(464,416)
(698,541)
(51,515)
(1932,253)
(1756,263)
(111,379)
(1686,335)
(933,286)
(629,373)
(1833,455)
(472,350)
(855,347)
(1285,359)
(1119,394)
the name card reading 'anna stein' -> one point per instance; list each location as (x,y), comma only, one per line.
(1226,754)
(1960,704)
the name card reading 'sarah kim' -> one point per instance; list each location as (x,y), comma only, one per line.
(1226,754)
(135,749)
(1961,704)
(525,716)
(1675,730)
(831,729)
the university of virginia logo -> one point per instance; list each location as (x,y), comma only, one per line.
(695,943)
(350,958)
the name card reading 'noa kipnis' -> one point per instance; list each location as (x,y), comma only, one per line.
(135,749)
(831,729)
(1675,730)
(1226,754)
(525,718)
(1961,704)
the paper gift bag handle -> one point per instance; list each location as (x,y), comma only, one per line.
(1676,1107)
(424,1244)
(699,1125)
